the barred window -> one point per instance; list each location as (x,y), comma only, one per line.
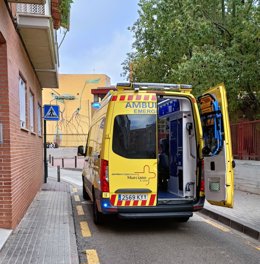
(31,111)
(22,98)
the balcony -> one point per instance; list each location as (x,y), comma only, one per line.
(35,26)
(39,2)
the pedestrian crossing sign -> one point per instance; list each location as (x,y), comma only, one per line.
(51,112)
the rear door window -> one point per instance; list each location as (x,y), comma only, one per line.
(134,136)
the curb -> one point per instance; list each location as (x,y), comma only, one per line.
(5,234)
(73,238)
(72,169)
(245,229)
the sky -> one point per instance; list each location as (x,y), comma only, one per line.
(98,39)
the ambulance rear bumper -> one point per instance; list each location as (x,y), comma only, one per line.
(178,210)
(172,211)
(155,215)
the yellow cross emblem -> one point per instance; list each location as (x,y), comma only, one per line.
(146,174)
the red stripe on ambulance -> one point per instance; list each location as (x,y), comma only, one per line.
(143,202)
(138,97)
(113,199)
(127,203)
(115,202)
(135,203)
(152,199)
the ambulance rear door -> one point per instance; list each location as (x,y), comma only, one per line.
(132,151)
(217,151)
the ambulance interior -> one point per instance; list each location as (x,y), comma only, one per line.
(177,155)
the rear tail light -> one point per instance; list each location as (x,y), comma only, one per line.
(104,176)
(202,181)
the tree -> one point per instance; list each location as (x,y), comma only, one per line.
(201,42)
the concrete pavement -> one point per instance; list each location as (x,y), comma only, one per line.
(4,235)
(247,176)
(46,233)
(244,217)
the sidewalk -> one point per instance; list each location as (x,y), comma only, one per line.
(46,233)
(244,217)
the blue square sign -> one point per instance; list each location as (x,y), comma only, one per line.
(51,112)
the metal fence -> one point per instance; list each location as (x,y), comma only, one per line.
(246,140)
(66,140)
(31,9)
(34,9)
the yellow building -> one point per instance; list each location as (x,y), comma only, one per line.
(74,99)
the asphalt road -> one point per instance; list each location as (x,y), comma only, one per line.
(201,240)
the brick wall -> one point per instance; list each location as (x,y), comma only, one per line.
(21,154)
(5,166)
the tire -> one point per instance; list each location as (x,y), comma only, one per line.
(97,216)
(84,192)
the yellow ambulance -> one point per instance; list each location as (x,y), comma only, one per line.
(156,151)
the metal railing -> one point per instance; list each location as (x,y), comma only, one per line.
(246,140)
(30,9)
(34,9)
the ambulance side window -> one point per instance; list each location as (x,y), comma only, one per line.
(101,125)
(89,144)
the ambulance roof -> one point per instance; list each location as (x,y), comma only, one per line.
(154,87)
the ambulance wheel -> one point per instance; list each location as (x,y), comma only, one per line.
(97,216)
(84,192)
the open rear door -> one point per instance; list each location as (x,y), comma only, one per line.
(133,154)
(217,151)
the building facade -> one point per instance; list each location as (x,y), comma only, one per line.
(28,62)
(74,99)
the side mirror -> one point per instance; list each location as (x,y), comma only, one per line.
(81,151)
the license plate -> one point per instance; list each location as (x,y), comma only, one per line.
(132,197)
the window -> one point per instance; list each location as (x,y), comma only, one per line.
(31,111)
(22,98)
(39,118)
(134,136)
